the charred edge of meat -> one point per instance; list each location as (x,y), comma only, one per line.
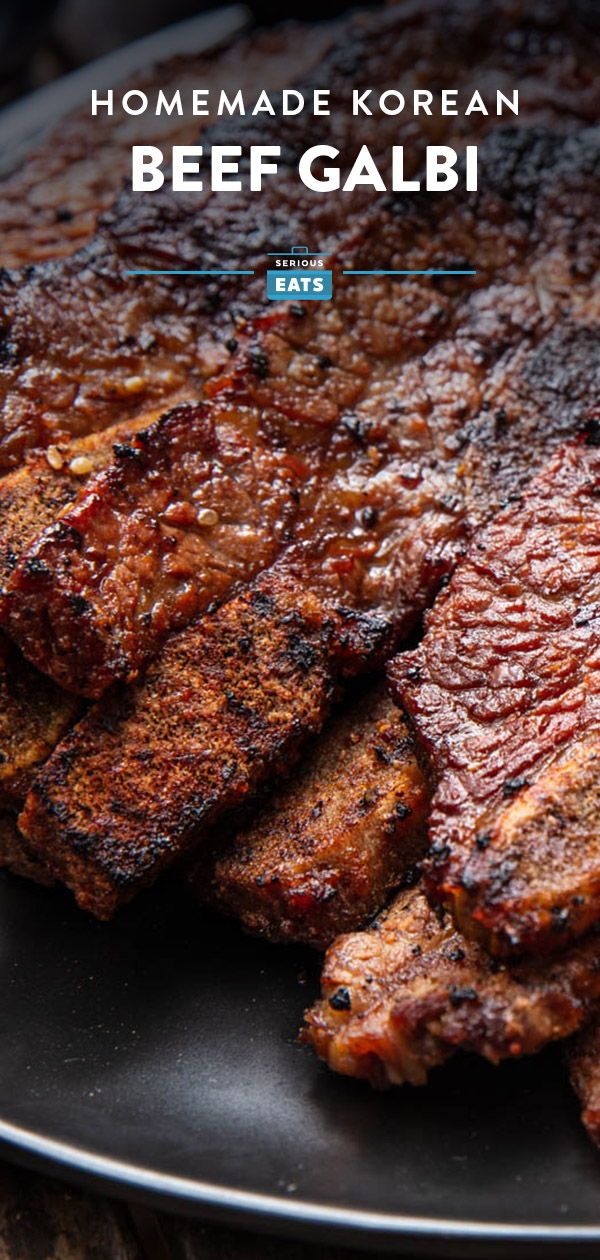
(15,855)
(502,692)
(248,684)
(34,715)
(323,854)
(402,997)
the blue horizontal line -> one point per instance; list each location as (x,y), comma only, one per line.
(282,253)
(429,272)
(190,273)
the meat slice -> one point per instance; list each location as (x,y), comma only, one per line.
(403,996)
(49,205)
(290,388)
(240,693)
(228,702)
(187,508)
(584,1071)
(34,712)
(14,856)
(34,716)
(326,850)
(504,692)
(393,502)
(46,483)
(262,440)
(84,344)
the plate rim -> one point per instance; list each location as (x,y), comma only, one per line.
(262,1212)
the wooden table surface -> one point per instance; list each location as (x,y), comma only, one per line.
(44,1219)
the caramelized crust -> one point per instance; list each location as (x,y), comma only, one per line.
(15,857)
(34,716)
(34,495)
(310,399)
(584,1072)
(84,344)
(187,509)
(504,692)
(325,851)
(399,488)
(236,695)
(402,997)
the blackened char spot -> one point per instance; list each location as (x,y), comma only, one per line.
(259,362)
(79,605)
(301,653)
(35,568)
(460,994)
(262,603)
(341,999)
(510,787)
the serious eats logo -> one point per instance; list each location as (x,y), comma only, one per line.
(299,273)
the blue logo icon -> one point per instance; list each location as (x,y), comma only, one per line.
(299,275)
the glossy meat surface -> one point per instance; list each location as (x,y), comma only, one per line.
(403,996)
(504,692)
(327,848)
(40,492)
(187,509)
(318,395)
(393,501)
(34,712)
(83,344)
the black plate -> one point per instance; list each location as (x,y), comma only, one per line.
(158,1055)
(159,1052)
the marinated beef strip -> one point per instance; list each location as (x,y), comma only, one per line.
(49,205)
(14,856)
(83,343)
(36,493)
(35,713)
(290,385)
(583,1058)
(401,997)
(187,510)
(392,504)
(280,875)
(34,716)
(504,693)
(240,692)
(326,850)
